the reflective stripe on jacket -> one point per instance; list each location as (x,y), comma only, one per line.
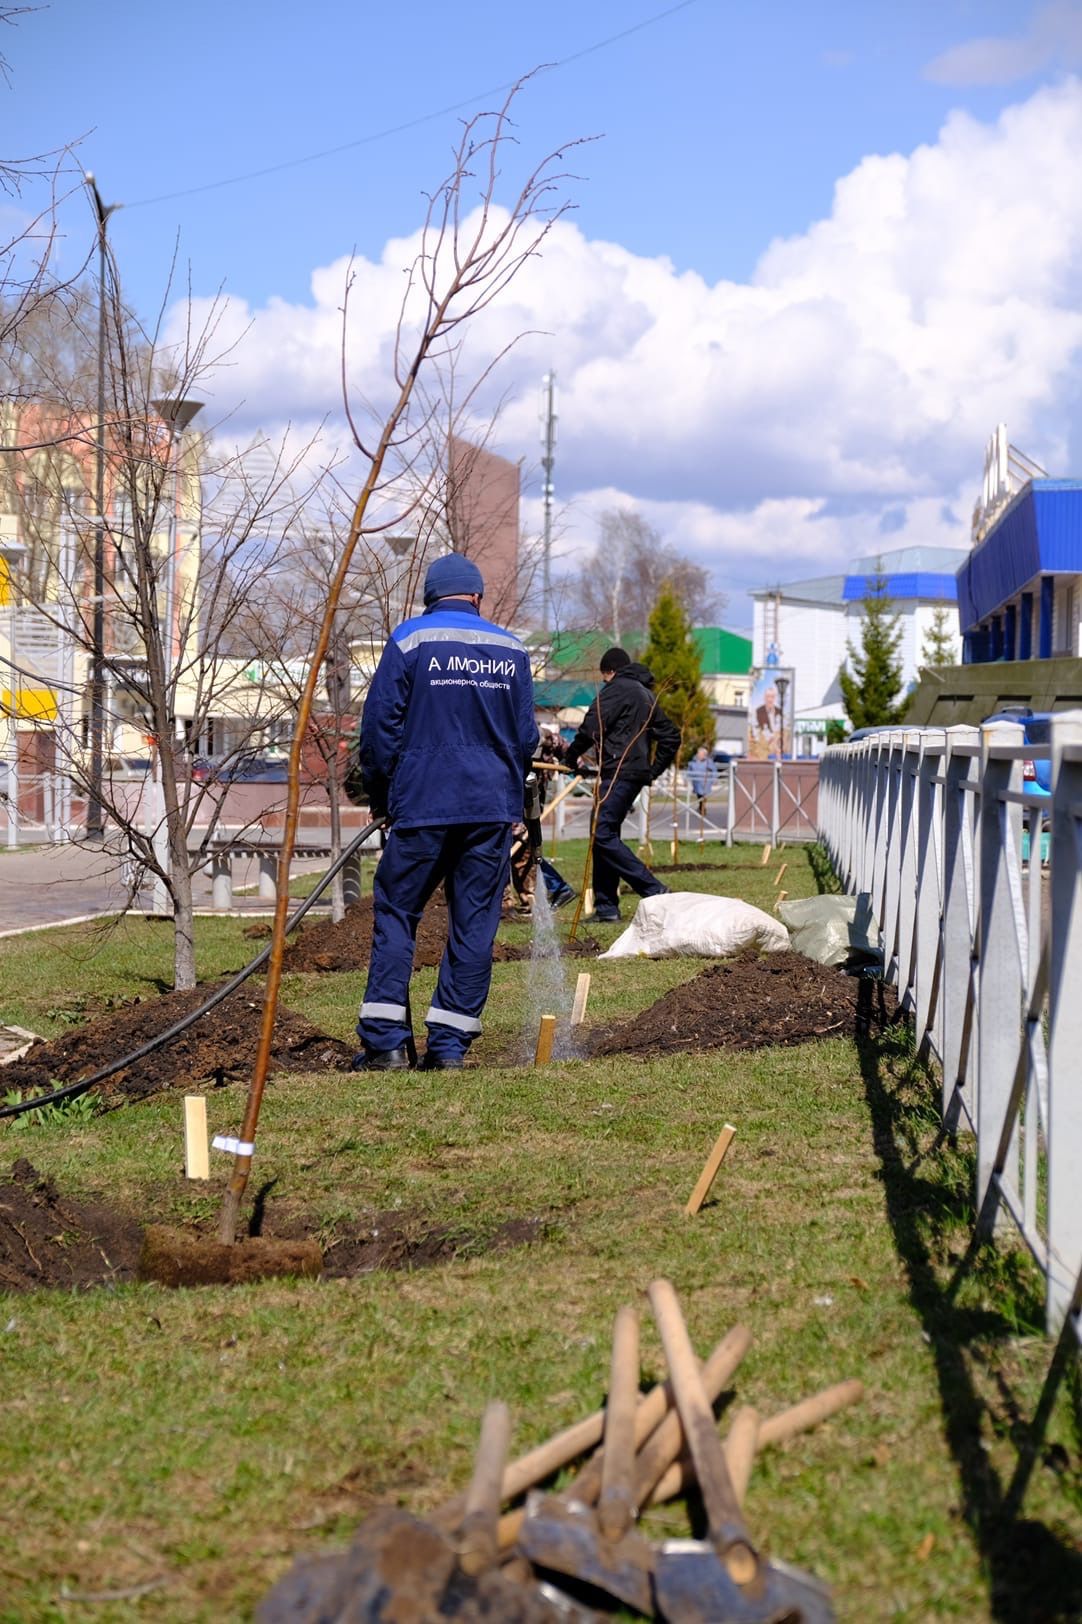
(448,729)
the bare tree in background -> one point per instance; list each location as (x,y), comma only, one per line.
(193,537)
(618,587)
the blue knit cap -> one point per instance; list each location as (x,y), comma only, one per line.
(451,575)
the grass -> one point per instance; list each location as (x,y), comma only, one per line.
(207,1438)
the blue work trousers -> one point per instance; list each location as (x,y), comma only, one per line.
(613,861)
(472,861)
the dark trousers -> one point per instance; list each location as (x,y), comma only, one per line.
(471,859)
(613,861)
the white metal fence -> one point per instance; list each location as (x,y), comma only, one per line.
(983,940)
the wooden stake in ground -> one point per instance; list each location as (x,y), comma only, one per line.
(582,993)
(196,1153)
(764,860)
(778,876)
(710,1171)
(546,1036)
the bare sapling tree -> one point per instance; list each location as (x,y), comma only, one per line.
(618,586)
(471,250)
(192,536)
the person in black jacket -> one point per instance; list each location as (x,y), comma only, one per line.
(634,741)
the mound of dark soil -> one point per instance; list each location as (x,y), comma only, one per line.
(693,868)
(348,945)
(219,1048)
(750,1002)
(47,1239)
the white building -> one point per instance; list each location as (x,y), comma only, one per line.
(810,623)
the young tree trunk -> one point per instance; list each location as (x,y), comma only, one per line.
(338,888)
(183,920)
(179,879)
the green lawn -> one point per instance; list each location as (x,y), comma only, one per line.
(205,1438)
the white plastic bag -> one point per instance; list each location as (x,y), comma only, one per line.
(698,925)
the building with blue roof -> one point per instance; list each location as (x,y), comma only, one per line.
(1018,590)
(806,626)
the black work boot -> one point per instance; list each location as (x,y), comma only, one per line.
(381,1060)
(439,1062)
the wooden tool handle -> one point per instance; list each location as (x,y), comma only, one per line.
(722,1509)
(809,1412)
(667,1440)
(658,1436)
(777,1429)
(478,1542)
(615,1503)
(740,1447)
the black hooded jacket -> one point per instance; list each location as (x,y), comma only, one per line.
(634,739)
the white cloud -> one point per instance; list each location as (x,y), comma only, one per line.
(1054,38)
(860,370)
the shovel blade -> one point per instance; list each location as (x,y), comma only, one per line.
(563,1538)
(693,1586)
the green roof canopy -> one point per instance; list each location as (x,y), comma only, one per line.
(722,652)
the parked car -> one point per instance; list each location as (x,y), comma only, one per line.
(242,770)
(1036,729)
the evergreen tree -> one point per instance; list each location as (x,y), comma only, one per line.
(673,656)
(939,646)
(870,691)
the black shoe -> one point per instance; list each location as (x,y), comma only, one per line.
(560,898)
(439,1062)
(602,918)
(381,1060)
(662,891)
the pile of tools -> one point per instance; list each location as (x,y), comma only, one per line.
(578,1555)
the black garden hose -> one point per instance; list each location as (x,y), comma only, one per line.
(71,1091)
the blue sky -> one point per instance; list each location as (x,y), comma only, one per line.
(724,128)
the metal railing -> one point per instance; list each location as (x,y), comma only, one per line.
(772,801)
(980,909)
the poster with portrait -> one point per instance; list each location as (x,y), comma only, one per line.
(770,713)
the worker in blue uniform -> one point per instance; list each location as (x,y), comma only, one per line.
(447,738)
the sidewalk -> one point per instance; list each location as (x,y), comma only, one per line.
(45,885)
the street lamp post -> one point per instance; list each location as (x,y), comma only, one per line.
(782,685)
(548,462)
(177,414)
(95,819)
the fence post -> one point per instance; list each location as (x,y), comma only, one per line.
(1065,1019)
(928,878)
(775,793)
(730,811)
(908,766)
(999,972)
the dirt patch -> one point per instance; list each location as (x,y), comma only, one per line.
(47,1239)
(750,1002)
(219,1048)
(695,868)
(326,946)
(389,1241)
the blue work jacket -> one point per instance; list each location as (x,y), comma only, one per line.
(448,730)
